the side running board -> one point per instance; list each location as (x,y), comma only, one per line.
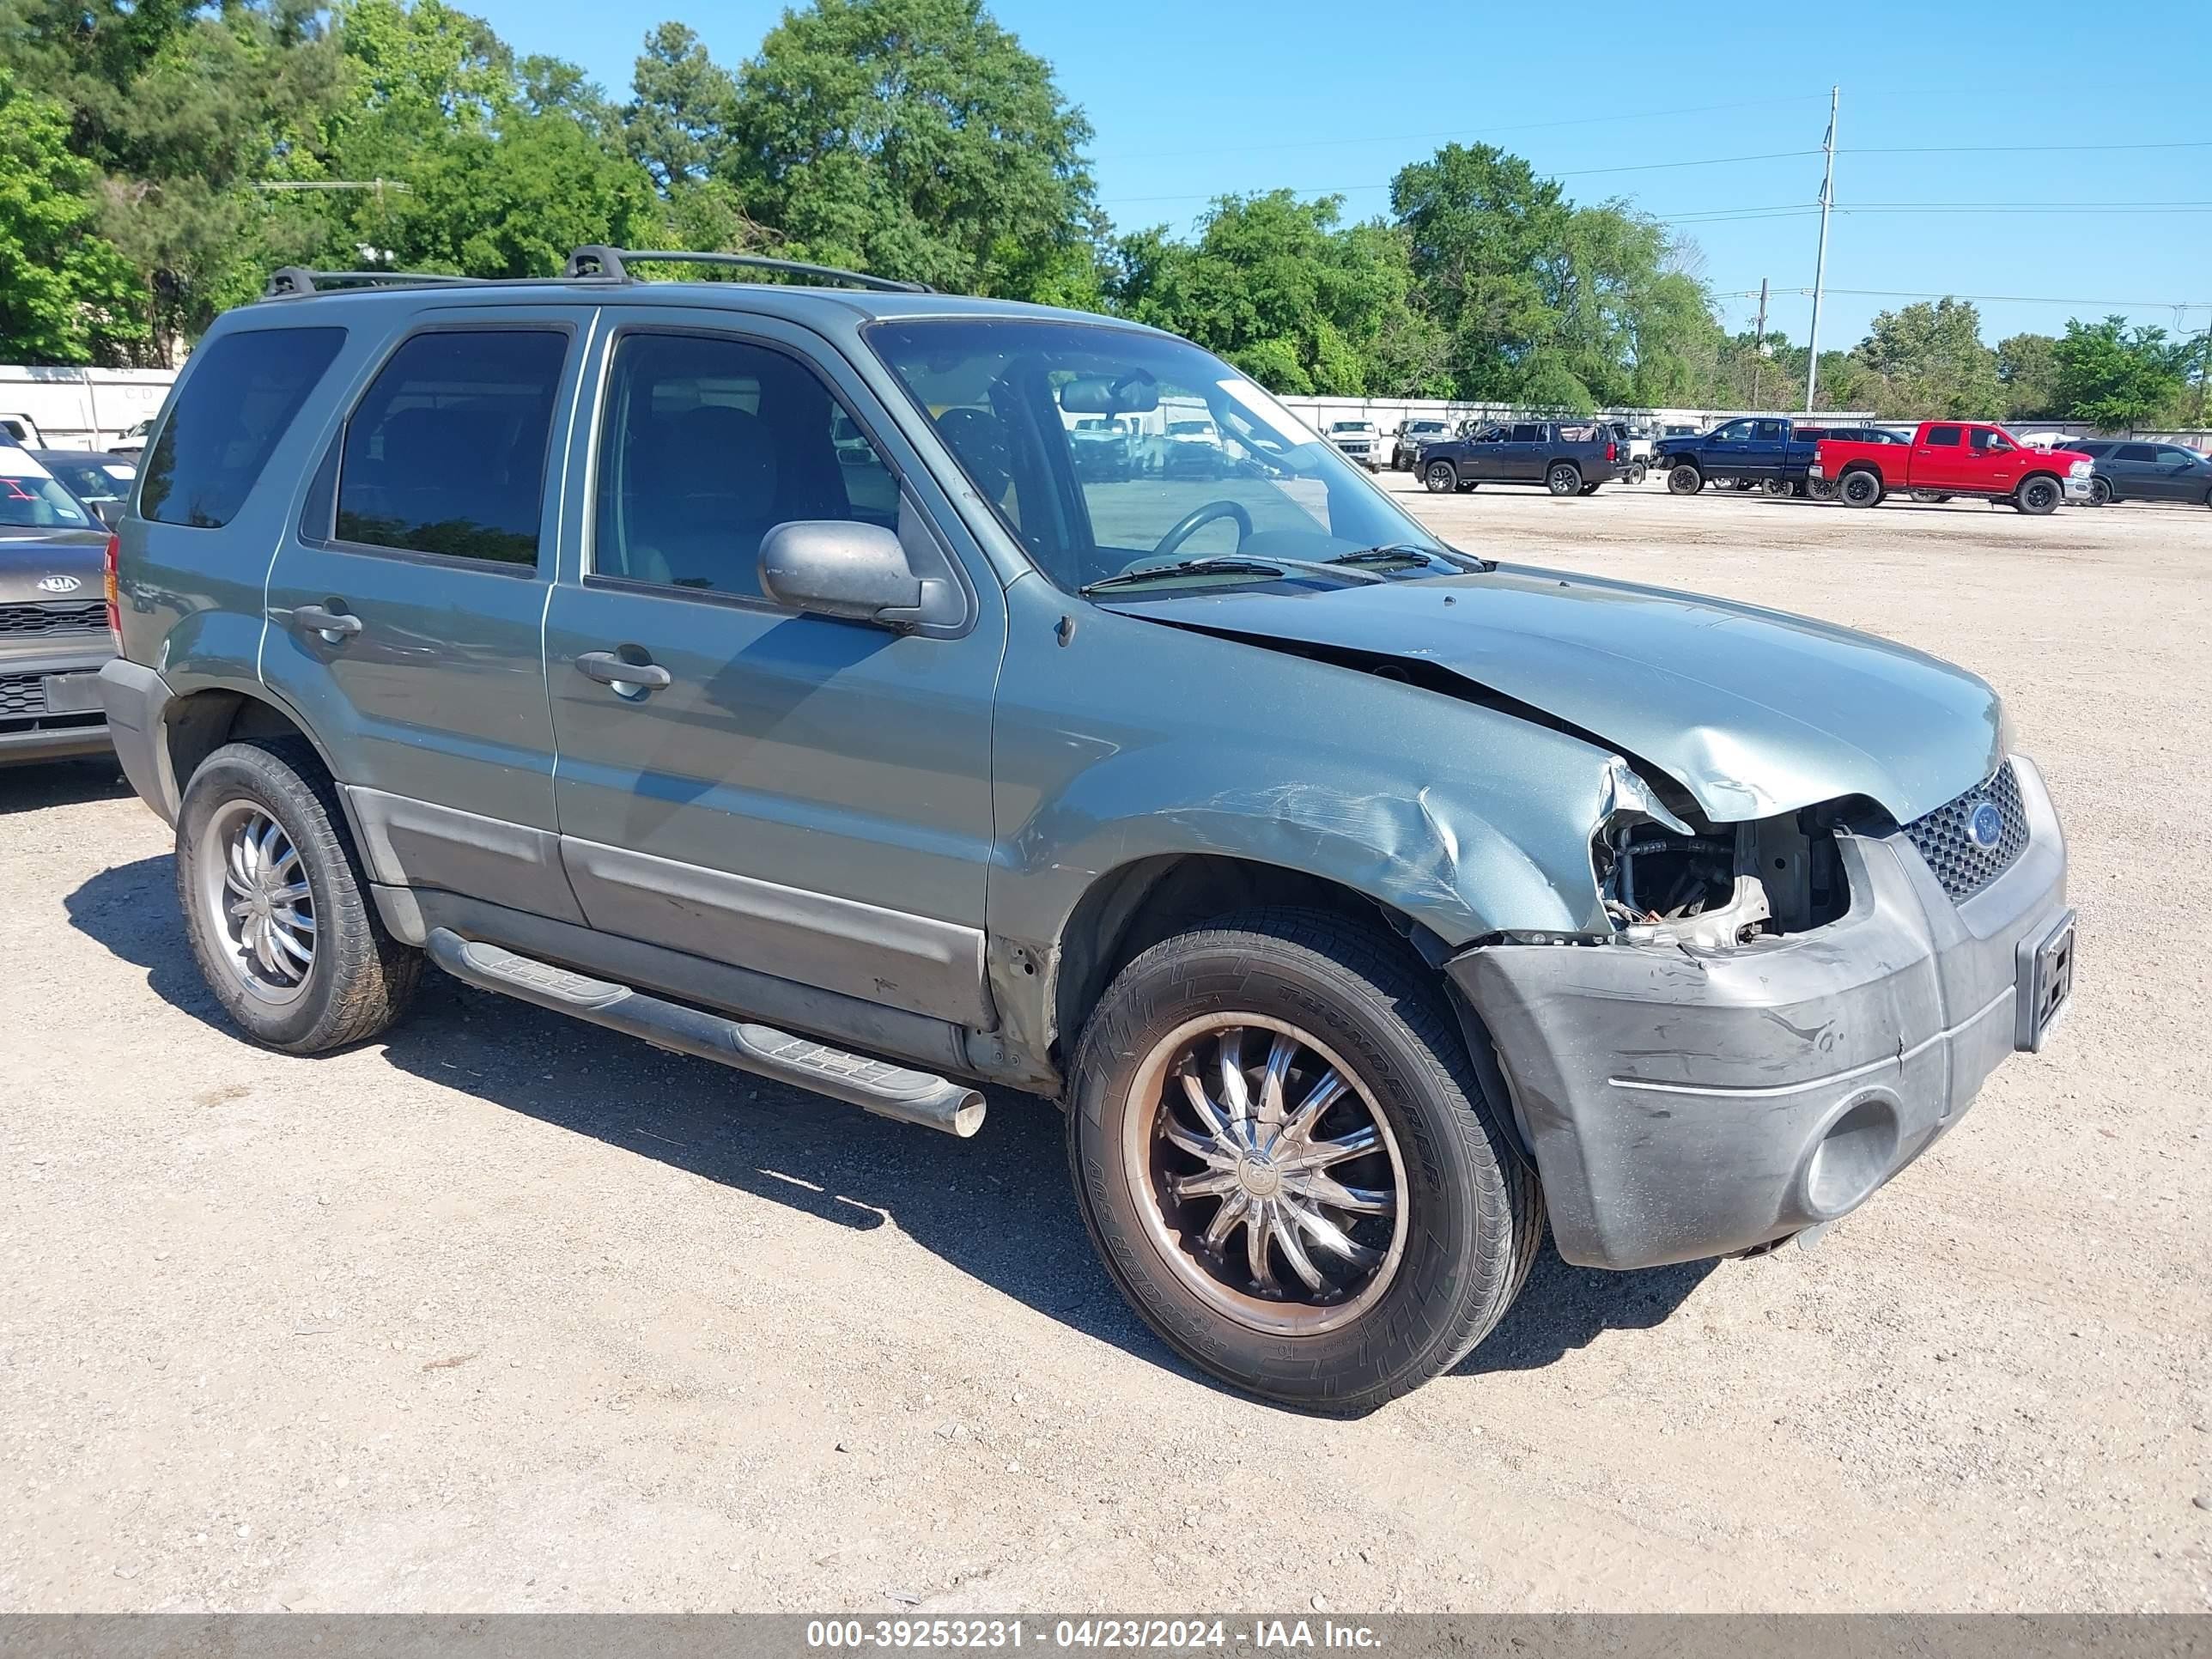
(874,1085)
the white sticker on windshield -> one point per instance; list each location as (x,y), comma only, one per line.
(19,463)
(124,474)
(1263,402)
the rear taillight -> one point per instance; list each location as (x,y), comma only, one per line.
(112,583)
(1612,452)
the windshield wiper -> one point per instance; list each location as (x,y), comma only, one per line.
(1217,567)
(1406,553)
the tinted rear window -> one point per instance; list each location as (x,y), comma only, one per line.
(237,401)
(446,452)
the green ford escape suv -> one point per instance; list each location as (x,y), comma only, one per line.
(753,668)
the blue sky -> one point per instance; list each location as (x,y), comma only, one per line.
(1194,98)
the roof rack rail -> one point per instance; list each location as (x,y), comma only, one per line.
(298,279)
(612,262)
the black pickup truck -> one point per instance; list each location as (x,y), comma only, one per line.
(1755,453)
(1568,458)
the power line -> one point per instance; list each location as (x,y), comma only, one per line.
(1953,293)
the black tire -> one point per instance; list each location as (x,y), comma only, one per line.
(1441,477)
(1472,1210)
(1860,488)
(1636,473)
(361,978)
(1591,489)
(2038,496)
(1563,478)
(2100,493)
(1684,480)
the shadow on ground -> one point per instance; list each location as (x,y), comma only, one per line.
(60,783)
(998,1207)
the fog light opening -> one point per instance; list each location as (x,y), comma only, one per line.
(1853,1157)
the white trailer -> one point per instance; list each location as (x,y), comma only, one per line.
(80,408)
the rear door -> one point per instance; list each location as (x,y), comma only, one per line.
(1762,453)
(803,797)
(1940,459)
(2134,473)
(1523,454)
(407,600)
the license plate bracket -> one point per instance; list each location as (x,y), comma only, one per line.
(2046,984)
(72,694)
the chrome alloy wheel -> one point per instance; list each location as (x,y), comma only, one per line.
(257,903)
(1264,1174)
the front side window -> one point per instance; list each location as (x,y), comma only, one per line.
(2173,455)
(706,444)
(1988,440)
(1735,432)
(238,398)
(1215,467)
(446,452)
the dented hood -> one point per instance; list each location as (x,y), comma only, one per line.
(1752,712)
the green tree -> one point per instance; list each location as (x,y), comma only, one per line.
(916,138)
(1931,361)
(1274,285)
(2027,367)
(65,297)
(677,124)
(2118,377)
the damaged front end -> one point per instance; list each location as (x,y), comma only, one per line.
(1666,881)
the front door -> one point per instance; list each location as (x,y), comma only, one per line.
(2181,474)
(799,796)
(405,601)
(1993,463)
(1485,454)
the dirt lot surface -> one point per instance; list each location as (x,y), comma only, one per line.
(504,1313)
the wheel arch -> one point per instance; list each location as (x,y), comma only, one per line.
(196,723)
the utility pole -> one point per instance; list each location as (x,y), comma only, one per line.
(1758,346)
(1820,266)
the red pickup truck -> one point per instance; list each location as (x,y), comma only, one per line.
(1952,457)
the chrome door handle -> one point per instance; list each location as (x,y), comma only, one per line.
(629,679)
(336,627)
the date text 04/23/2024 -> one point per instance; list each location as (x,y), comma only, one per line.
(1141,1635)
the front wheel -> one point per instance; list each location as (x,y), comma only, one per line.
(1441,476)
(277,911)
(2100,493)
(2037,496)
(1288,1165)
(1591,489)
(1564,479)
(1685,480)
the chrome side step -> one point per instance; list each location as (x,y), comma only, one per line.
(874,1085)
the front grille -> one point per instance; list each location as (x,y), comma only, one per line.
(17,620)
(1963,866)
(22,694)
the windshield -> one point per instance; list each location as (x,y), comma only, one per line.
(1215,467)
(30,499)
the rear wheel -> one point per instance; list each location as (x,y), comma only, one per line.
(1288,1165)
(1636,473)
(1591,489)
(274,908)
(1860,489)
(2037,496)
(1684,480)
(1441,476)
(1564,478)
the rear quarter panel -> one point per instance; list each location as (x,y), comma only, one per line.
(1892,461)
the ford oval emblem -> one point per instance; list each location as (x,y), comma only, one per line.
(1985,829)
(59,584)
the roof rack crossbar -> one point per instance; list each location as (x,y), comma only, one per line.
(614,261)
(298,279)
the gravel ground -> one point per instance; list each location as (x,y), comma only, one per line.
(507,1314)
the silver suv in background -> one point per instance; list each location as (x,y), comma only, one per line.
(1360,440)
(752,669)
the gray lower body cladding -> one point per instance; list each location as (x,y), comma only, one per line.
(1681,1104)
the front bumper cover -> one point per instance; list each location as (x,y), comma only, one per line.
(1682,1104)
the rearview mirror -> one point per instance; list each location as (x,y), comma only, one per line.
(840,568)
(1094,394)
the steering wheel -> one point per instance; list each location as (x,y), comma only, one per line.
(1197,519)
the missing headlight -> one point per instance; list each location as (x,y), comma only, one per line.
(1724,886)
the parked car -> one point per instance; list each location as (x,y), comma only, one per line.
(1405,451)
(102,481)
(2125,470)
(1191,449)
(1101,448)
(1569,457)
(1802,482)
(54,633)
(1750,452)
(132,441)
(1954,458)
(1362,900)
(1634,449)
(1360,440)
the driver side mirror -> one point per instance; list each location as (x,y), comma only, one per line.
(841,567)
